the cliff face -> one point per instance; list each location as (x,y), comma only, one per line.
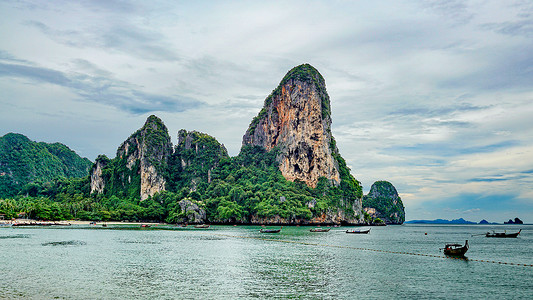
(97,178)
(151,146)
(384,202)
(196,156)
(140,165)
(296,119)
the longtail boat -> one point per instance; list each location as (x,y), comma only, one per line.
(318,229)
(502,234)
(201,226)
(358,231)
(264,230)
(456,249)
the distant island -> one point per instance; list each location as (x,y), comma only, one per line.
(462,221)
(485,222)
(516,221)
(440,221)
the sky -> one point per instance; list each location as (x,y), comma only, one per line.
(434,96)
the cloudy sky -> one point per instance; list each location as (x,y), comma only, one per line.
(433,96)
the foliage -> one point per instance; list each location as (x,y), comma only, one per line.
(385,200)
(23,161)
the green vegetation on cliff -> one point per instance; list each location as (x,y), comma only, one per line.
(196,158)
(388,205)
(241,188)
(197,181)
(23,161)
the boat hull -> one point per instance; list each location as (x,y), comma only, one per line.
(454,250)
(503,235)
(319,230)
(358,231)
(270,230)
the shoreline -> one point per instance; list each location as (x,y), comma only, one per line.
(76,222)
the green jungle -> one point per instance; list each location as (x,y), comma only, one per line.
(242,186)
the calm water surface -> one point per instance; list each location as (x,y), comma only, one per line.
(226,262)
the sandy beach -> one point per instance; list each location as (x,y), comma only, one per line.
(77,222)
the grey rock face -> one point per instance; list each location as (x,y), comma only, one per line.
(151,146)
(193,213)
(97,180)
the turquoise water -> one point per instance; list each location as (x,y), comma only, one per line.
(226,262)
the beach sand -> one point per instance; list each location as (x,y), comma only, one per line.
(78,222)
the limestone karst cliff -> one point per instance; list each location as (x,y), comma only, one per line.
(97,178)
(383,202)
(140,164)
(195,158)
(289,171)
(296,119)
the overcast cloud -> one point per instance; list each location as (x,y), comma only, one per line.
(433,96)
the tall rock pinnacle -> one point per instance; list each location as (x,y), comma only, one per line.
(140,165)
(151,146)
(296,119)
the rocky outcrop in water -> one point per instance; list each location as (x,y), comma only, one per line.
(516,221)
(383,202)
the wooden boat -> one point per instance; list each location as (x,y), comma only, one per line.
(264,230)
(358,231)
(201,226)
(456,249)
(318,229)
(503,234)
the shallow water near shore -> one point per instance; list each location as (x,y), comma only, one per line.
(231,262)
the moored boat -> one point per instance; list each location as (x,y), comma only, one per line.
(358,231)
(456,249)
(201,226)
(503,234)
(264,230)
(319,229)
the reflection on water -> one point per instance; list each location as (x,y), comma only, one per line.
(14,236)
(65,243)
(239,262)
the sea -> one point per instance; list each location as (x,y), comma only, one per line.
(239,262)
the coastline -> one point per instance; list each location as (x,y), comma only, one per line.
(76,222)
